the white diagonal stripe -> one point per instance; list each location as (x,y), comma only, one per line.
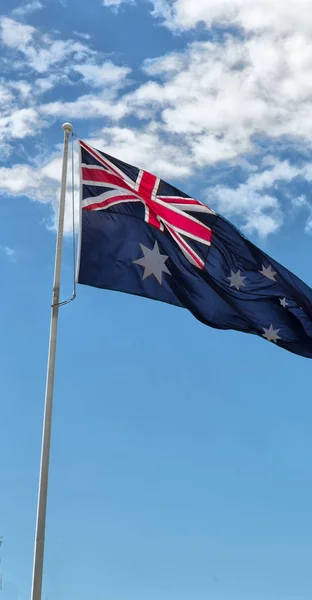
(107,196)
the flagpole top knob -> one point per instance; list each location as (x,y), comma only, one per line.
(67,127)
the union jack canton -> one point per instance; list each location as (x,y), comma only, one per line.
(168,212)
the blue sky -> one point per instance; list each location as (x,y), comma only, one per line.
(181,455)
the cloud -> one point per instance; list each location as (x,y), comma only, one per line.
(295,15)
(9,252)
(6,96)
(36,51)
(19,124)
(300,203)
(107,79)
(21,179)
(42,184)
(52,53)
(25,9)
(84,36)
(258,212)
(256,202)
(48,62)
(14,34)
(20,115)
(92,105)
(44,84)
(96,75)
(146,149)
(116,3)
(222,95)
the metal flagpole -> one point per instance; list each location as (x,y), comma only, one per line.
(46,434)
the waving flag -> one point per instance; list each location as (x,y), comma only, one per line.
(142,236)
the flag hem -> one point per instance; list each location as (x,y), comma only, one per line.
(79,217)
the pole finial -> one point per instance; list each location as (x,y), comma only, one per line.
(67,127)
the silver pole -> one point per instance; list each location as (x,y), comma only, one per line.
(46,434)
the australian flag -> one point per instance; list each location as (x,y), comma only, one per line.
(142,236)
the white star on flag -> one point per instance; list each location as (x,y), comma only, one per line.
(268,272)
(153,262)
(271,334)
(283,302)
(236,280)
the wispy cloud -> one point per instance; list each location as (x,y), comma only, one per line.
(47,61)
(42,184)
(25,9)
(257,202)
(301,202)
(83,36)
(9,253)
(39,52)
(116,3)
(96,75)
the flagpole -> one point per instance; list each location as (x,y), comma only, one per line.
(46,433)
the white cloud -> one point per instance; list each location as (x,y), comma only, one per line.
(39,52)
(164,65)
(108,78)
(6,96)
(23,88)
(57,62)
(100,75)
(90,105)
(9,252)
(300,203)
(14,34)
(25,9)
(117,3)
(146,149)
(308,227)
(255,202)
(52,53)
(258,212)
(285,17)
(221,95)
(27,180)
(84,36)
(44,84)
(19,124)
(42,184)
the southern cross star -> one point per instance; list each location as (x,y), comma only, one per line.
(236,280)
(283,302)
(271,334)
(153,262)
(268,272)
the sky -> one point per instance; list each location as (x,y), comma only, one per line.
(181,455)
